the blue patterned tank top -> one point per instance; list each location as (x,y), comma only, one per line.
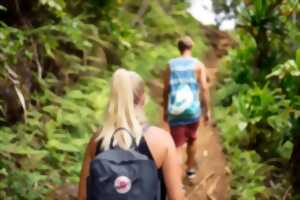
(183,99)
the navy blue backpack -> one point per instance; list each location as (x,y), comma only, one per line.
(118,174)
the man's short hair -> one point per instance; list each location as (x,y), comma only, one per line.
(185,43)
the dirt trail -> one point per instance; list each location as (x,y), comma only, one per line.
(212,180)
(213,175)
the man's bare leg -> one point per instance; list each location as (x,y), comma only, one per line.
(180,153)
(191,160)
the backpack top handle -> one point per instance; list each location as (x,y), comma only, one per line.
(134,144)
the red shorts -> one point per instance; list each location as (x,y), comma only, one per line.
(184,133)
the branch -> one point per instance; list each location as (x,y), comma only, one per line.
(274,5)
(37,61)
(164,7)
(18,10)
(287,194)
(249,29)
(169,7)
(23,20)
(142,10)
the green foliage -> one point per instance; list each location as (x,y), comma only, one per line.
(224,94)
(151,111)
(54,4)
(265,116)
(2,8)
(47,150)
(257,103)
(230,130)
(275,35)
(287,77)
(10,47)
(289,68)
(248,182)
(238,64)
(258,120)
(250,175)
(150,56)
(298,57)
(250,172)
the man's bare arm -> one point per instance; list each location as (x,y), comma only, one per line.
(202,79)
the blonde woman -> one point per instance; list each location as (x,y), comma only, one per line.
(125,110)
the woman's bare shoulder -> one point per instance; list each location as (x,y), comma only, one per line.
(159,142)
(157,131)
(159,136)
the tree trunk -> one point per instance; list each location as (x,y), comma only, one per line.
(295,163)
(262,49)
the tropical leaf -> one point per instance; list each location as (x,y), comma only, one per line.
(55,4)
(22,101)
(298,58)
(3,8)
(62,146)
(21,150)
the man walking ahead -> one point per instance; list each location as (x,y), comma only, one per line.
(185,80)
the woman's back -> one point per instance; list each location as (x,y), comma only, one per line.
(164,154)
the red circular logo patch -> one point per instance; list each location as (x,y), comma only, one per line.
(122,184)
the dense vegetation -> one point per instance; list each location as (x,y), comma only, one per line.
(257,103)
(56,58)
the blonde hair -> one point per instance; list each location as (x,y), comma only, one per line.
(123,110)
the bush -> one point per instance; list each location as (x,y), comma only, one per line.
(47,149)
(238,64)
(265,116)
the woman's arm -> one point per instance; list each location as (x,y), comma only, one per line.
(172,171)
(89,155)
(163,149)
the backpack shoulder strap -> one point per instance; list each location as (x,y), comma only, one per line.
(144,149)
(134,144)
(98,149)
(143,146)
